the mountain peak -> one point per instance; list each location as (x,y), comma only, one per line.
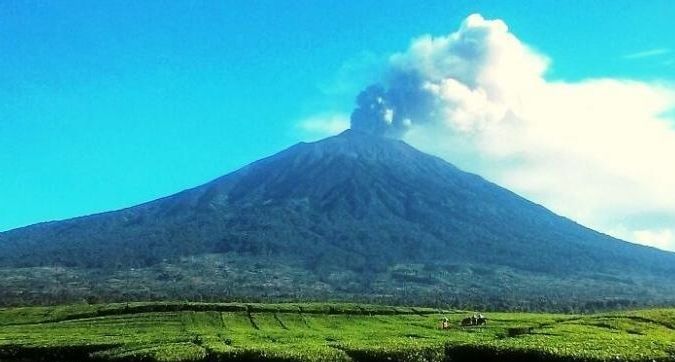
(356,138)
(357,144)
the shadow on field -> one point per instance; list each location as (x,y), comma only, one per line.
(441,354)
(50,354)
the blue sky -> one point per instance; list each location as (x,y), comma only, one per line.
(105,105)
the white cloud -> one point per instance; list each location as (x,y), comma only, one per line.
(647,53)
(323,125)
(598,150)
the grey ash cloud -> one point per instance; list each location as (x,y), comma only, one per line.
(391,109)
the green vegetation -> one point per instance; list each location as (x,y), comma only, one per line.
(233,277)
(324,332)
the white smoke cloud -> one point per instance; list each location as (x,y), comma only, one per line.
(600,151)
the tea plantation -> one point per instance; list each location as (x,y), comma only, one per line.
(324,332)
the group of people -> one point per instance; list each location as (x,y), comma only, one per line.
(476,319)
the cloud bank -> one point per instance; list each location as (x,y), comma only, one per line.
(600,151)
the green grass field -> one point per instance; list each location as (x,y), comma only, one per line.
(324,332)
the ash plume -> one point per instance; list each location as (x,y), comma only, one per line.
(446,80)
(479,97)
(391,111)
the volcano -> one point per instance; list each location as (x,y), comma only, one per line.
(353,216)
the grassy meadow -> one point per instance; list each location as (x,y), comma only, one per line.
(324,332)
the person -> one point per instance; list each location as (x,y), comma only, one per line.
(481,319)
(446,323)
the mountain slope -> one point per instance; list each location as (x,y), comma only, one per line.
(351,203)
